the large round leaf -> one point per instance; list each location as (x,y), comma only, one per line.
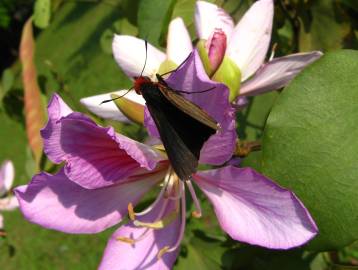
(311,145)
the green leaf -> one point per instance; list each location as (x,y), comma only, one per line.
(106,41)
(316,19)
(42,13)
(256,258)
(185,9)
(310,145)
(14,143)
(125,27)
(251,121)
(201,253)
(5,17)
(80,67)
(153,19)
(7,81)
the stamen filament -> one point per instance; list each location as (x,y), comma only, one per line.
(176,197)
(145,233)
(198,212)
(132,214)
(159,224)
(183,221)
(167,249)
(170,185)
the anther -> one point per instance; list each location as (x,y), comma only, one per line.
(196,214)
(131,213)
(162,252)
(126,240)
(160,224)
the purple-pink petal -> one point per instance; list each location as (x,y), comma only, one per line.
(55,202)
(250,40)
(191,77)
(252,208)
(95,156)
(143,253)
(209,17)
(277,73)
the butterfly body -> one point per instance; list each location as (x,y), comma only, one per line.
(183,126)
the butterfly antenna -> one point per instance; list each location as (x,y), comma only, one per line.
(146,55)
(113,99)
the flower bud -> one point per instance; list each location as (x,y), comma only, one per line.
(212,51)
(216,47)
(132,110)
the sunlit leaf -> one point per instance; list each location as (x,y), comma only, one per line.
(42,13)
(153,19)
(310,145)
(7,81)
(201,253)
(326,28)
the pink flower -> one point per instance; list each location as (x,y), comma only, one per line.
(7,202)
(105,174)
(247,46)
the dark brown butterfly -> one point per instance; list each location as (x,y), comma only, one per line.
(183,126)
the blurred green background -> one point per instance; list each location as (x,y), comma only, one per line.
(73,57)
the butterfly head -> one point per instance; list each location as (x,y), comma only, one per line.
(139,82)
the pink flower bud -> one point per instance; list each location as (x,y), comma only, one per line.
(216,47)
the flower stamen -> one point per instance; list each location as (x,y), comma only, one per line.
(168,249)
(159,224)
(126,240)
(132,214)
(162,252)
(197,213)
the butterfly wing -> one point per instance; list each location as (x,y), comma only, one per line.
(188,107)
(182,134)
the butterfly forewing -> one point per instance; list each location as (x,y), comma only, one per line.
(188,107)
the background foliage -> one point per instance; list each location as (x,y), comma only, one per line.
(73,57)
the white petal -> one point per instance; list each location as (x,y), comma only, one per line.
(208,17)
(1,222)
(250,40)
(178,51)
(129,53)
(277,73)
(7,173)
(9,203)
(109,110)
